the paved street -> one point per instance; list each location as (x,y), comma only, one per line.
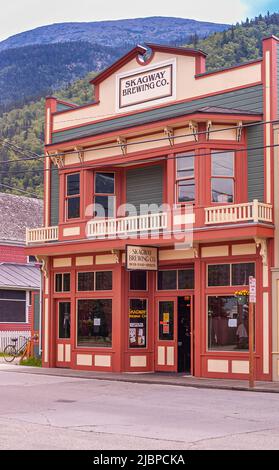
(47,412)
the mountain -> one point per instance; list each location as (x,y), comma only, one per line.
(39,62)
(118,33)
(29,72)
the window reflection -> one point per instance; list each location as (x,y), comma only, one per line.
(94,323)
(228,324)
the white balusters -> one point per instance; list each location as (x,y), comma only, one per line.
(248,212)
(42,234)
(126,225)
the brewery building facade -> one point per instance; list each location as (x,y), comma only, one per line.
(161,200)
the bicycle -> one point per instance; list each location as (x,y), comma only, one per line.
(11,351)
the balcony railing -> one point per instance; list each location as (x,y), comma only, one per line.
(41,235)
(127,225)
(249,212)
(154,223)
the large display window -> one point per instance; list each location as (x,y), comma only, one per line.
(228,323)
(94,320)
(137,323)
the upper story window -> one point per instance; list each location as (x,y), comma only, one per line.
(62,282)
(174,279)
(104,195)
(222,177)
(185,177)
(90,281)
(73,196)
(236,274)
(138,280)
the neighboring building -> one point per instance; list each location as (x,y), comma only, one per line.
(163,130)
(20,277)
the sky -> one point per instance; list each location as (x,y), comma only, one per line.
(22,15)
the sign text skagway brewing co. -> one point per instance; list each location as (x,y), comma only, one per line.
(141,258)
(153,84)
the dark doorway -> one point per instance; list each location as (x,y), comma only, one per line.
(184,334)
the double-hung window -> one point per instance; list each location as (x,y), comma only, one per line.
(104,195)
(185,177)
(222,177)
(73,196)
(12,306)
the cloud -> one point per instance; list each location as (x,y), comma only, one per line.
(29,14)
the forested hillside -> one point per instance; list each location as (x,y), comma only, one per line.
(239,43)
(52,56)
(24,126)
(29,72)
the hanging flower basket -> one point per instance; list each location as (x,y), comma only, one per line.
(242,296)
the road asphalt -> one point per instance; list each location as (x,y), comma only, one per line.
(39,411)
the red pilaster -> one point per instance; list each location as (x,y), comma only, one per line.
(270,80)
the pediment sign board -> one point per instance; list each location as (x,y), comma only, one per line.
(152,86)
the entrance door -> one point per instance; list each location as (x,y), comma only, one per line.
(184,338)
(166,335)
(63,333)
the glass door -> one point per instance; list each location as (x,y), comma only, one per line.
(63,333)
(166,335)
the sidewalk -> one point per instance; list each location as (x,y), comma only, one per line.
(178,380)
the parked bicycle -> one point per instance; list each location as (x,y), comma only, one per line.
(12,351)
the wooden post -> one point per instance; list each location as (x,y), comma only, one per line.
(252,303)
(251,346)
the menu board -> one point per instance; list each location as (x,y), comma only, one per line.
(137,323)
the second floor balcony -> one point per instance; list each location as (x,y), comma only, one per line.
(162,222)
(250,212)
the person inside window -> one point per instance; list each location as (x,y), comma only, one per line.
(242,336)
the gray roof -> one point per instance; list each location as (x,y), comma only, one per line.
(21,276)
(18,213)
(221,110)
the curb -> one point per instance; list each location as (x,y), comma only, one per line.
(144,381)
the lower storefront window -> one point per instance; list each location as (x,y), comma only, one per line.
(228,323)
(137,323)
(94,317)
